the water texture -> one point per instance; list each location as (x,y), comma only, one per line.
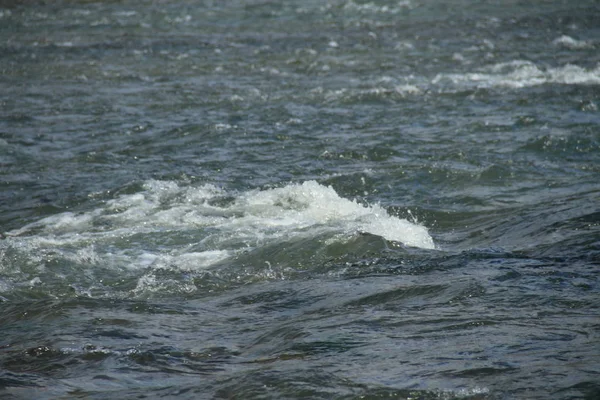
(334,199)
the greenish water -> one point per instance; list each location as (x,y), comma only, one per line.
(317,199)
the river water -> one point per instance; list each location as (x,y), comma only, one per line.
(335,199)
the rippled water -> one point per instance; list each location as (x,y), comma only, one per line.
(300,199)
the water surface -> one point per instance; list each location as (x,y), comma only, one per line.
(302,199)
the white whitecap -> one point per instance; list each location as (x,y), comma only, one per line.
(570,43)
(520,74)
(171,226)
(310,204)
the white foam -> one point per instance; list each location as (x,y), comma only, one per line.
(571,43)
(148,284)
(519,74)
(186,261)
(371,7)
(67,221)
(300,206)
(190,228)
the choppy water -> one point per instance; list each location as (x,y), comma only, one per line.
(302,199)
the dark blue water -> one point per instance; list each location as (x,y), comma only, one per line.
(302,199)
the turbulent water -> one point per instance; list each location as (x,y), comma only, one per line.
(334,199)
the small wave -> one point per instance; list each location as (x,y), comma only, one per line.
(165,226)
(515,74)
(571,43)
(520,74)
(251,217)
(371,7)
(315,205)
(368,94)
